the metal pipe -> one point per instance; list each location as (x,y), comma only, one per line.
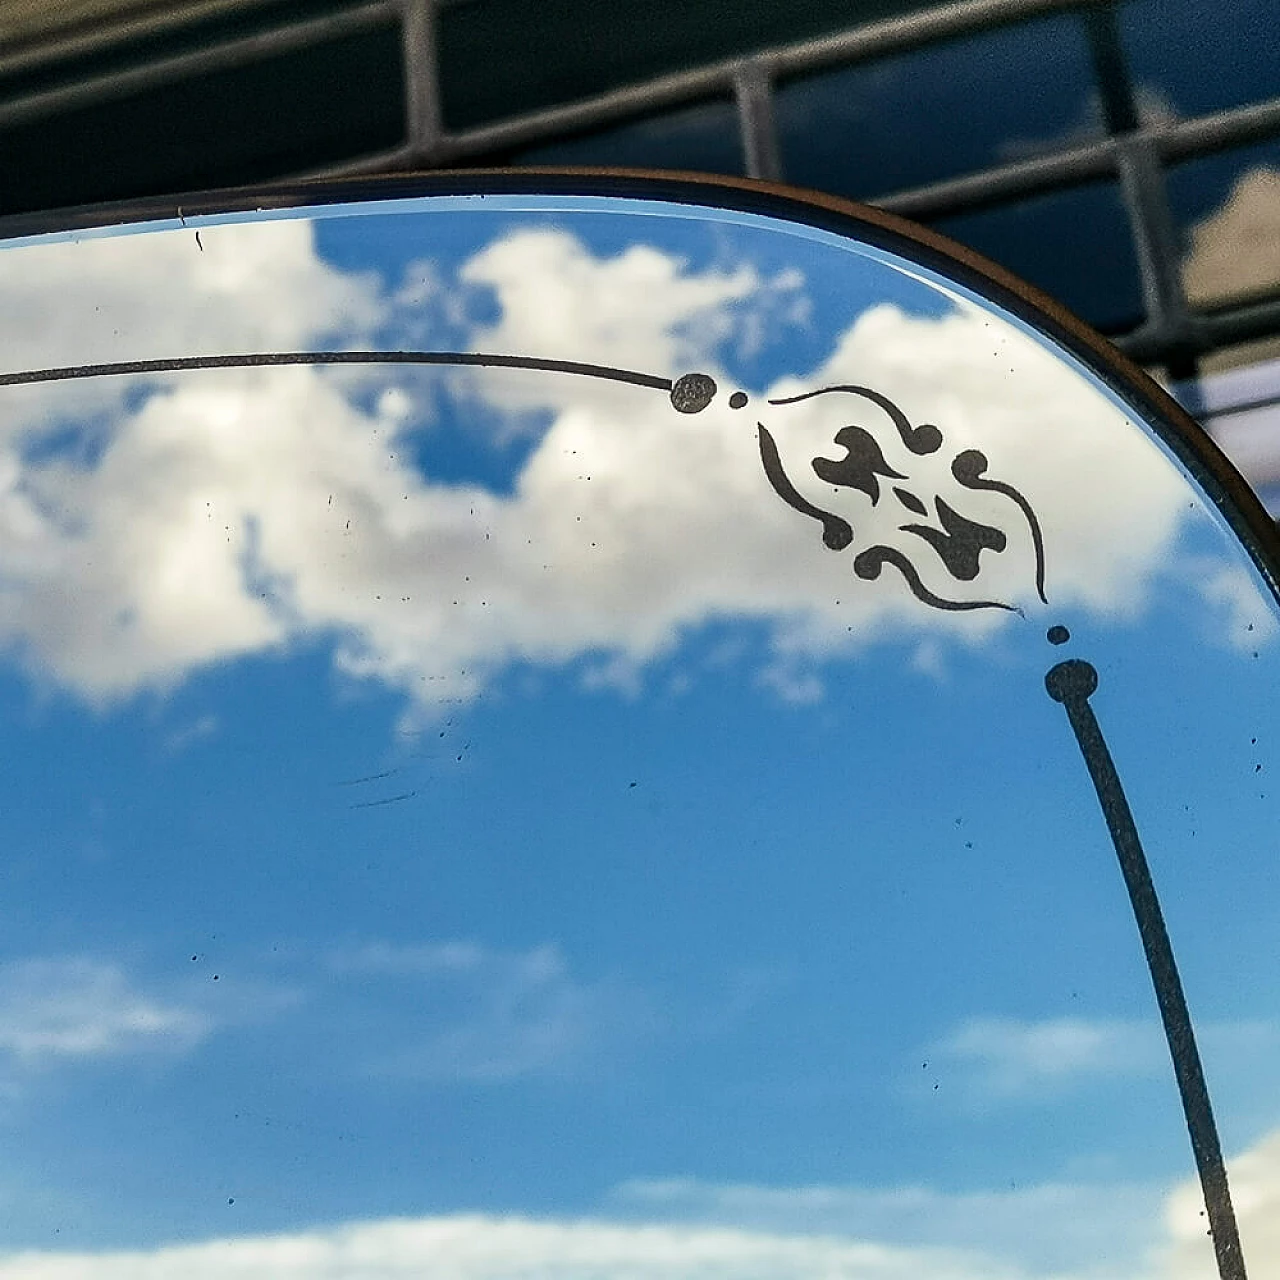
(232,53)
(30,42)
(1156,244)
(423,125)
(1231,128)
(874,39)
(1008,182)
(754,94)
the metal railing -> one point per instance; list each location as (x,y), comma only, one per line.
(1135,154)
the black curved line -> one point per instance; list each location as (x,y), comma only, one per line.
(837,533)
(922,439)
(974,480)
(1072,683)
(264,359)
(869,563)
(373,777)
(377,804)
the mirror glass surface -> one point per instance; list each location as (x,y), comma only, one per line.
(589,805)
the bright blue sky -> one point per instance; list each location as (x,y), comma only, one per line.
(742,906)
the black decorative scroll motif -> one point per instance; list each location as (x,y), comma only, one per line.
(867,565)
(957,541)
(862,463)
(837,533)
(968,468)
(921,440)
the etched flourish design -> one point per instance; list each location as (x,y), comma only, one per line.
(958,542)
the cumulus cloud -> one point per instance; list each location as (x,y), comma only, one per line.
(642,308)
(214,515)
(1020,1060)
(1235,251)
(1255,1193)
(706,1231)
(1008,1058)
(69,1009)
(491,1248)
(1045,1229)
(484,1016)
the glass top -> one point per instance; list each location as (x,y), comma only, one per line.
(529,755)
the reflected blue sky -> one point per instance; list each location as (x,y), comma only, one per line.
(410,815)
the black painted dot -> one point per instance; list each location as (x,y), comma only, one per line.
(926,438)
(1072,681)
(1059,635)
(738,400)
(692,393)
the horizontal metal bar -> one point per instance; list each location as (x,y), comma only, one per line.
(232,53)
(399,159)
(874,39)
(1203,333)
(892,35)
(1243,323)
(1245,406)
(1080,164)
(30,41)
(535,126)
(1008,182)
(1214,133)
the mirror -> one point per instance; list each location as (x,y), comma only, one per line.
(529,754)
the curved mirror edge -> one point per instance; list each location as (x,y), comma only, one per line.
(1152,590)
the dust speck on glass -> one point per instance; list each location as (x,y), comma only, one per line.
(610,737)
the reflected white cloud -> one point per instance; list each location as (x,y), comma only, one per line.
(68,1009)
(708,1231)
(1005,1058)
(1255,1192)
(1239,617)
(1043,1229)
(1034,1061)
(491,1017)
(492,1248)
(235,512)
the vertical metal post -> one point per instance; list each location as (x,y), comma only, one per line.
(423,127)
(1159,257)
(1146,202)
(1115,86)
(753,90)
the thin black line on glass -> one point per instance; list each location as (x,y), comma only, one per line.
(689,394)
(1072,683)
(868,564)
(922,439)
